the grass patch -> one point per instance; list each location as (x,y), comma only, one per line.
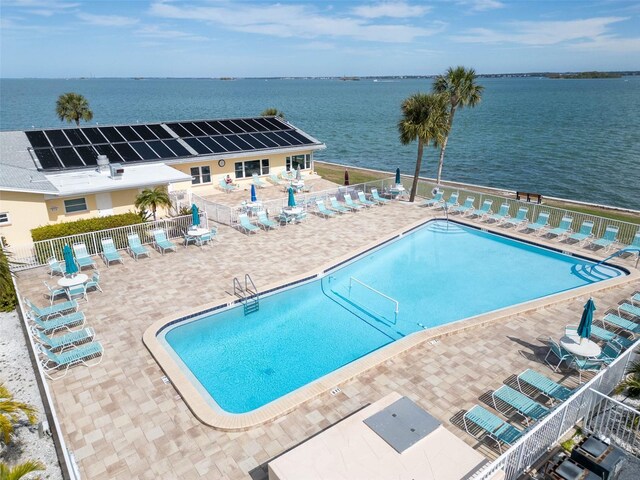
(335,174)
(600,212)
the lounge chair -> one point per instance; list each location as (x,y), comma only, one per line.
(287,176)
(52,311)
(55,267)
(377,198)
(75,319)
(560,353)
(563,229)
(435,201)
(61,342)
(496,428)
(584,234)
(324,211)
(452,201)
(622,323)
(55,362)
(257,182)
(525,406)
(83,259)
(608,239)
(518,220)
(246,225)
(275,180)
(502,214)
(635,243)
(94,282)
(629,309)
(554,391)
(265,222)
(350,204)
(77,291)
(55,292)
(541,223)
(227,187)
(109,253)
(161,243)
(336,206)
(135,247)
(363,200)
(603,334)
(465,207)
(635,298)
(485,209)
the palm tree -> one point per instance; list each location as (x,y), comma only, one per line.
(7,290)
(460,87)
(272,112)
(632,382)
(154,198)
(10,411)
(19,471)
(73,107)
(424,118)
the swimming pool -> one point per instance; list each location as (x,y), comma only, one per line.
(437,274)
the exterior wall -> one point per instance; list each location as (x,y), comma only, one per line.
(26,211)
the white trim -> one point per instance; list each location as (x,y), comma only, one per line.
(7,222)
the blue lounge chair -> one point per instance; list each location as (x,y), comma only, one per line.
(377,198)
(465,207)
(435,201)
(63,341)
(83,259)
(502,214)
(541,223)
(554,391)
(350,204)
(622,323)
(603,334)
(72,320)
(635,298)
(55,292)
(246,225)
(452,201)
(135,247)
(629,309)
(51,311)
(287,175)
(496,428)
(275,180)
(563,229)
(363,200)
(257,182)
(525,406)
(94,282)
(635,243)
(56,362)
(265,222)
(55,267)
(336,206)
(161,243)
(608,239)
(324,211)
(584,234)
(485,209)
(227,187)
(518,220)
(109,253)
(560,353)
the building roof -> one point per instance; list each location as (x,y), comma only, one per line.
(18,173)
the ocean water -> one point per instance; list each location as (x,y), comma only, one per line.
(567,138)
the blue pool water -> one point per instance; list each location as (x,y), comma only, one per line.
(438,274)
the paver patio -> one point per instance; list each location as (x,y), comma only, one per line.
(122,421)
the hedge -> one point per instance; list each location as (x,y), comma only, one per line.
(65,229)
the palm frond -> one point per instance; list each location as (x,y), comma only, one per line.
(19,471)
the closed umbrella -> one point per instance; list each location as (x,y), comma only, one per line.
(398,176)
(195,214)
(298,174)
(584,329)
(253,193)
(69,262)
(346,177)
(292,200)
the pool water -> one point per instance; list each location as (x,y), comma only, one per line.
(437,274)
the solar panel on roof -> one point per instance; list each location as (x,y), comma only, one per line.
(278,123)
(57,138)
(127,153)
(112,134)
(220,127)
(206,128)
(301,138)
(108,150)
(144,151)
(94,135)
(76,136)
(160,132)
(289,138)
(38,139)
(144,132)
(177,148)
(257,125)
(161,149)
(265,140)
(213,145)
(239,142)
(128,133)
(193,130)
(279,140)
(248,138)
(226,144)
(69,157)
(198,146)
(231,126)
(88,154)
(179,130)
(244,125)
(47,158)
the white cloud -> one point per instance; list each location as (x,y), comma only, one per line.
(41,5)
(161,33)
(481,5)
(390,9)
(610,44)
(107,20)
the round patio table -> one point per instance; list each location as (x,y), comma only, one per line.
(197,232)
(581,347)
(78,279)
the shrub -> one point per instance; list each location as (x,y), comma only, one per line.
(8,300)
(65,229)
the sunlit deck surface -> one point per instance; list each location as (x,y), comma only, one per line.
(122,421)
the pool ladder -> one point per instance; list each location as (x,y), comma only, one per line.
(247,294)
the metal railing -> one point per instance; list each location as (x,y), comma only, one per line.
(609,418)
(548,431)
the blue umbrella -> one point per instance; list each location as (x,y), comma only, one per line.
(195,214)
(584,329)
(292,200)
(398,176)
(253,193)
(69,262)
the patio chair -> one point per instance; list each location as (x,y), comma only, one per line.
(522,404)
(363,200)
(273,178)
(350,204)
(585,365)
(563,229)
(51,311)
(560,353)
(299,217)
(207,237)
(161,243)
(83,259)
(135,247)
(435,201)
(584,234)
(608,336)
(630,309)
(324,211)
(227,187)
(77,291)
(502,214)
(452,201)
(187,239)
(63,341)
(55,292)
(635,243)
(552,390)
(72,320)
(465,207)
(377,198)
(109,253)
(518,220)
(608,239)
(494,427)
(541,223)
(264,221)
(55,267)
(246,225)
(336,206)
(485,209)
(94,282)
(622,323)
(56,362)
(257,182)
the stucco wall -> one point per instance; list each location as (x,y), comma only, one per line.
(26,210)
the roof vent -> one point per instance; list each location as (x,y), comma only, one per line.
(103,163)
(117,170)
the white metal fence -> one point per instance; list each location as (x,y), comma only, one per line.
(583,403)
(611,419)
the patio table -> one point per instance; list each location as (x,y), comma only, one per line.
(78,279)
(581,347)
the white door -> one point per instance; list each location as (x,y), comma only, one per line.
(103,204)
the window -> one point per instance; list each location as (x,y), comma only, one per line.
(265,166)
(200,175)
(298,161)
(4,218)
(75,205)
(248,168)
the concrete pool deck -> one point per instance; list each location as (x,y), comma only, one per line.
(122,420)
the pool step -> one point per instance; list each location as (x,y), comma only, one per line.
(445,228)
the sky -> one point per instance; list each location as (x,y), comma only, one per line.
(221,38)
